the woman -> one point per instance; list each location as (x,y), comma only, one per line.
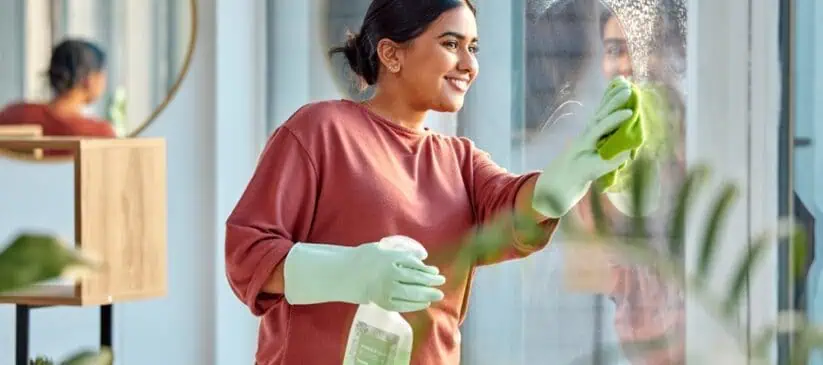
(77,77)
(340,175)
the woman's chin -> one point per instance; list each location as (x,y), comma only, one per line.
(449,105)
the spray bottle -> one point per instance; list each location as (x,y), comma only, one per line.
(378,336)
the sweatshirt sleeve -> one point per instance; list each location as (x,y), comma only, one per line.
(275,210)
(494,192)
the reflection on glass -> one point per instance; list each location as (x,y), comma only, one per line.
(94,68)
(571,49)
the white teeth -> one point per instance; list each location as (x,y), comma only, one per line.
(459,84)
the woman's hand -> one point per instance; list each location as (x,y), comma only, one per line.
(564,182)
(389,273)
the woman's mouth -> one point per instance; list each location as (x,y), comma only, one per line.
(461,85)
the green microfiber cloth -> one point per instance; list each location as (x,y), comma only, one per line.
(644,134)
(628,137)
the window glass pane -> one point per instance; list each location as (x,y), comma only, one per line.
(567,302)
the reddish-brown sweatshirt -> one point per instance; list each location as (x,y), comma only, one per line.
(337,173)
(53,124)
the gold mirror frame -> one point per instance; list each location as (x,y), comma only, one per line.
(181,76)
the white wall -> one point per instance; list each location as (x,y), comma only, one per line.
(209,128)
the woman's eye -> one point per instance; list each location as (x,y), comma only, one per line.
(474,49)
(450,44)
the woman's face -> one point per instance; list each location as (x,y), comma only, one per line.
(616,60)
(95,85)
(438,67)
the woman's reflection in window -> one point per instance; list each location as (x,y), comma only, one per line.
(648,307)
(78,78)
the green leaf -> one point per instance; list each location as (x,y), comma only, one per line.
(710,240)
(677,226)
(641,170)
(103,357)
(798,247)
(41,360)
(744,268)
(34,258)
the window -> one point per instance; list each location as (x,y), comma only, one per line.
(545,65)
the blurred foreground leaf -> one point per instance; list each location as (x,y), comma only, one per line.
(34,258)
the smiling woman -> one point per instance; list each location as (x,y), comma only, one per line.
(351,175)
(389,47)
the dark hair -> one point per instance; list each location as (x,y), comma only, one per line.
(71,62)
(397,20)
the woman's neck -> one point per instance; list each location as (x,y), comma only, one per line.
(394,109)
(68,104)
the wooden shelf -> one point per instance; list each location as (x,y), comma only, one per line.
(120,219)
(23,131)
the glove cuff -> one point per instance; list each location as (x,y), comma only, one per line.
(311,270)
(553,198)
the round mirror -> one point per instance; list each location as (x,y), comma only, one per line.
(91,68)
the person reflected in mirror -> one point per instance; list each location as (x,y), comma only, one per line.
(647,306)
(77,77)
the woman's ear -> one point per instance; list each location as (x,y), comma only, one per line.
(390,55)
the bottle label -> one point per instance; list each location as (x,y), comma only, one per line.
(373,346)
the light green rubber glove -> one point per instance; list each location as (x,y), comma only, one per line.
(565,181)
(393,278)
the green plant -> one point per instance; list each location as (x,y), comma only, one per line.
(492,238)
(41,360)
(33,258)
(722,308)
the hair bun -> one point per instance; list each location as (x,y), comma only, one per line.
(60,79)
(358,54)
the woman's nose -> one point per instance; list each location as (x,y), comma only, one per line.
(468,63)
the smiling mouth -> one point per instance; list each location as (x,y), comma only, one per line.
(459,84)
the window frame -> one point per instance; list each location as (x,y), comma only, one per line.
(734,46)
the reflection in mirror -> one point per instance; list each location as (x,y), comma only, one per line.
(91,68)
